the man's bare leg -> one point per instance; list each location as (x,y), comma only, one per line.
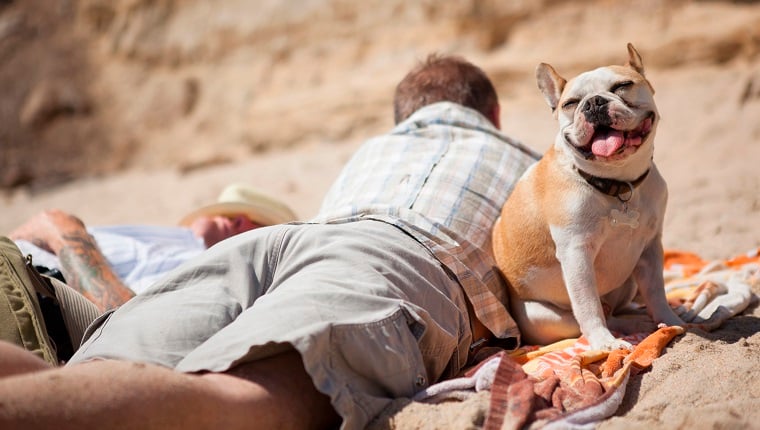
(277,393)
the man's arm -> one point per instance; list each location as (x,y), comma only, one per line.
(274,392)
(82,263)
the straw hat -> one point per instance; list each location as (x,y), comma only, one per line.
(241,199)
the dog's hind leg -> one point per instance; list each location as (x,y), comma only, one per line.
(541,323)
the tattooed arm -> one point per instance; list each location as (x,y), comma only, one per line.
(82,263)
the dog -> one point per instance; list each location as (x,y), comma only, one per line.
(580,235)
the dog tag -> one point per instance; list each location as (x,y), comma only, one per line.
(626,217)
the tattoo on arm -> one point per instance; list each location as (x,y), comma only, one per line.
(87,271)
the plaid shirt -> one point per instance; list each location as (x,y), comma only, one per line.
(441,176)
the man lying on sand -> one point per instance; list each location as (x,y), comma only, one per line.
(110,264)
(315,324)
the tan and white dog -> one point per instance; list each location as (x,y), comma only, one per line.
(581,233)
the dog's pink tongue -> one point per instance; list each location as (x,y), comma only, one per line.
(607,143)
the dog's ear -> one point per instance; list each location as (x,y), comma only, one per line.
(634,60)
(550,83)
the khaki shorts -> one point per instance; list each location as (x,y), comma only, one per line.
(373,314)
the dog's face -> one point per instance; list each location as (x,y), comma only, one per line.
(607,115)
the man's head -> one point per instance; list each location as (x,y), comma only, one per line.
(445,78)
(238,209)
(213,229)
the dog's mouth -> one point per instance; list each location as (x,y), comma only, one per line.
(607,142)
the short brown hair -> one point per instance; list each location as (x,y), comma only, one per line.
(444,78)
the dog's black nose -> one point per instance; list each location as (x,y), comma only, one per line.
(596,102)
(596,110)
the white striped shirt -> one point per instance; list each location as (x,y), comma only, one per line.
(442,176)
(138,254)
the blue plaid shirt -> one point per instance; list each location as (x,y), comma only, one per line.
(441,176)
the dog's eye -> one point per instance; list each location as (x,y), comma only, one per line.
(570,104)
(621,86)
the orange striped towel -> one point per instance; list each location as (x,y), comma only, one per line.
(704,293)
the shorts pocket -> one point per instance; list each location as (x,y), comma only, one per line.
(381,360)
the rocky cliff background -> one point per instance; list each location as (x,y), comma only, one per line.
(93,90)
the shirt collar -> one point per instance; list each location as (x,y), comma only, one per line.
(445,113)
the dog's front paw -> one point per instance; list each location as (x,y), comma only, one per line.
(609,343)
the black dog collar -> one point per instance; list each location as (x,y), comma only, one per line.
(623,190)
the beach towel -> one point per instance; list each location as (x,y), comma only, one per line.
(568,385)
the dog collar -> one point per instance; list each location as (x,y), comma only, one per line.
(623,190)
